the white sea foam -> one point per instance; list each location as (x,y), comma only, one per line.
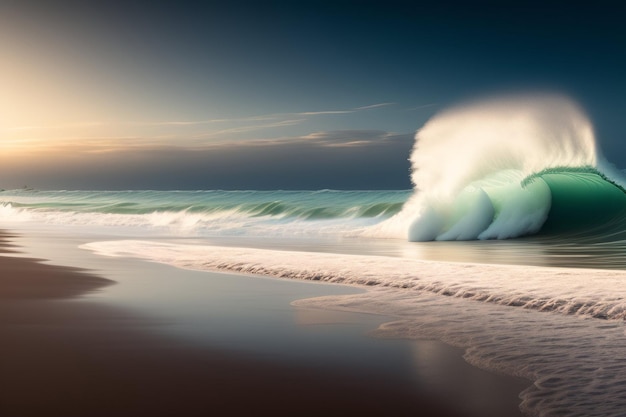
(577,365)
(186,223)
(537,323)
(587,292)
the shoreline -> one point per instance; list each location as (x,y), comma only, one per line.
(64,358)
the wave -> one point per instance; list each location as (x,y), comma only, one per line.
(507,168)
(326,204)
(208,212)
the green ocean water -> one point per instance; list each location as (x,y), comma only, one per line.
(585,224)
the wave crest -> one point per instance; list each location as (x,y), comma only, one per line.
(474,168)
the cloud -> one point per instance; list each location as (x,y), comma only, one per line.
(251,128)
(281,119)
(350,138)
(206,122)
(258,130)
(336,159)
(322,139)
(348,111)
(374,106)
(323,112)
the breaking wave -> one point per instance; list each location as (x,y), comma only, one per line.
(506,168)
(207,213)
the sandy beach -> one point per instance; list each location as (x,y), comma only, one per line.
(284,208)
(63,356)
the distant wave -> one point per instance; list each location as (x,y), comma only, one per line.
(506,168)
(208,212)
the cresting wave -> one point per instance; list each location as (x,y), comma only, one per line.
(506,168)
(207,213)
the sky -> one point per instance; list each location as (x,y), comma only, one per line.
(275,94)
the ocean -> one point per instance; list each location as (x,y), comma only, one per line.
(548,307)
(510,249)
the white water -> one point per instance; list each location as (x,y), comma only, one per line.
(468,163)
(588,292)
(504,316)
(578,366)
(186,223)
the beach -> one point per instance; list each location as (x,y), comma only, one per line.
(64,355)
(312,208)
(528,326)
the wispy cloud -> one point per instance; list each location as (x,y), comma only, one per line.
(282,119)
(374,106)
(347,111)
(248,124)
(330,139)
(345,138)
(74,147)
(109,136)
(251,128)
(205,122)
(273,116)
(322,112)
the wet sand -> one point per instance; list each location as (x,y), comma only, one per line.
(62,356)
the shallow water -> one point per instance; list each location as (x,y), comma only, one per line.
(262,317)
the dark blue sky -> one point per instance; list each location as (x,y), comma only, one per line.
(279,94)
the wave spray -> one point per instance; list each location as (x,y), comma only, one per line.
(478,170)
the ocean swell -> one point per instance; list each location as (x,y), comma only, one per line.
(207,213)
(505,168)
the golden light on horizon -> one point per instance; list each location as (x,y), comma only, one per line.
(53,93)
